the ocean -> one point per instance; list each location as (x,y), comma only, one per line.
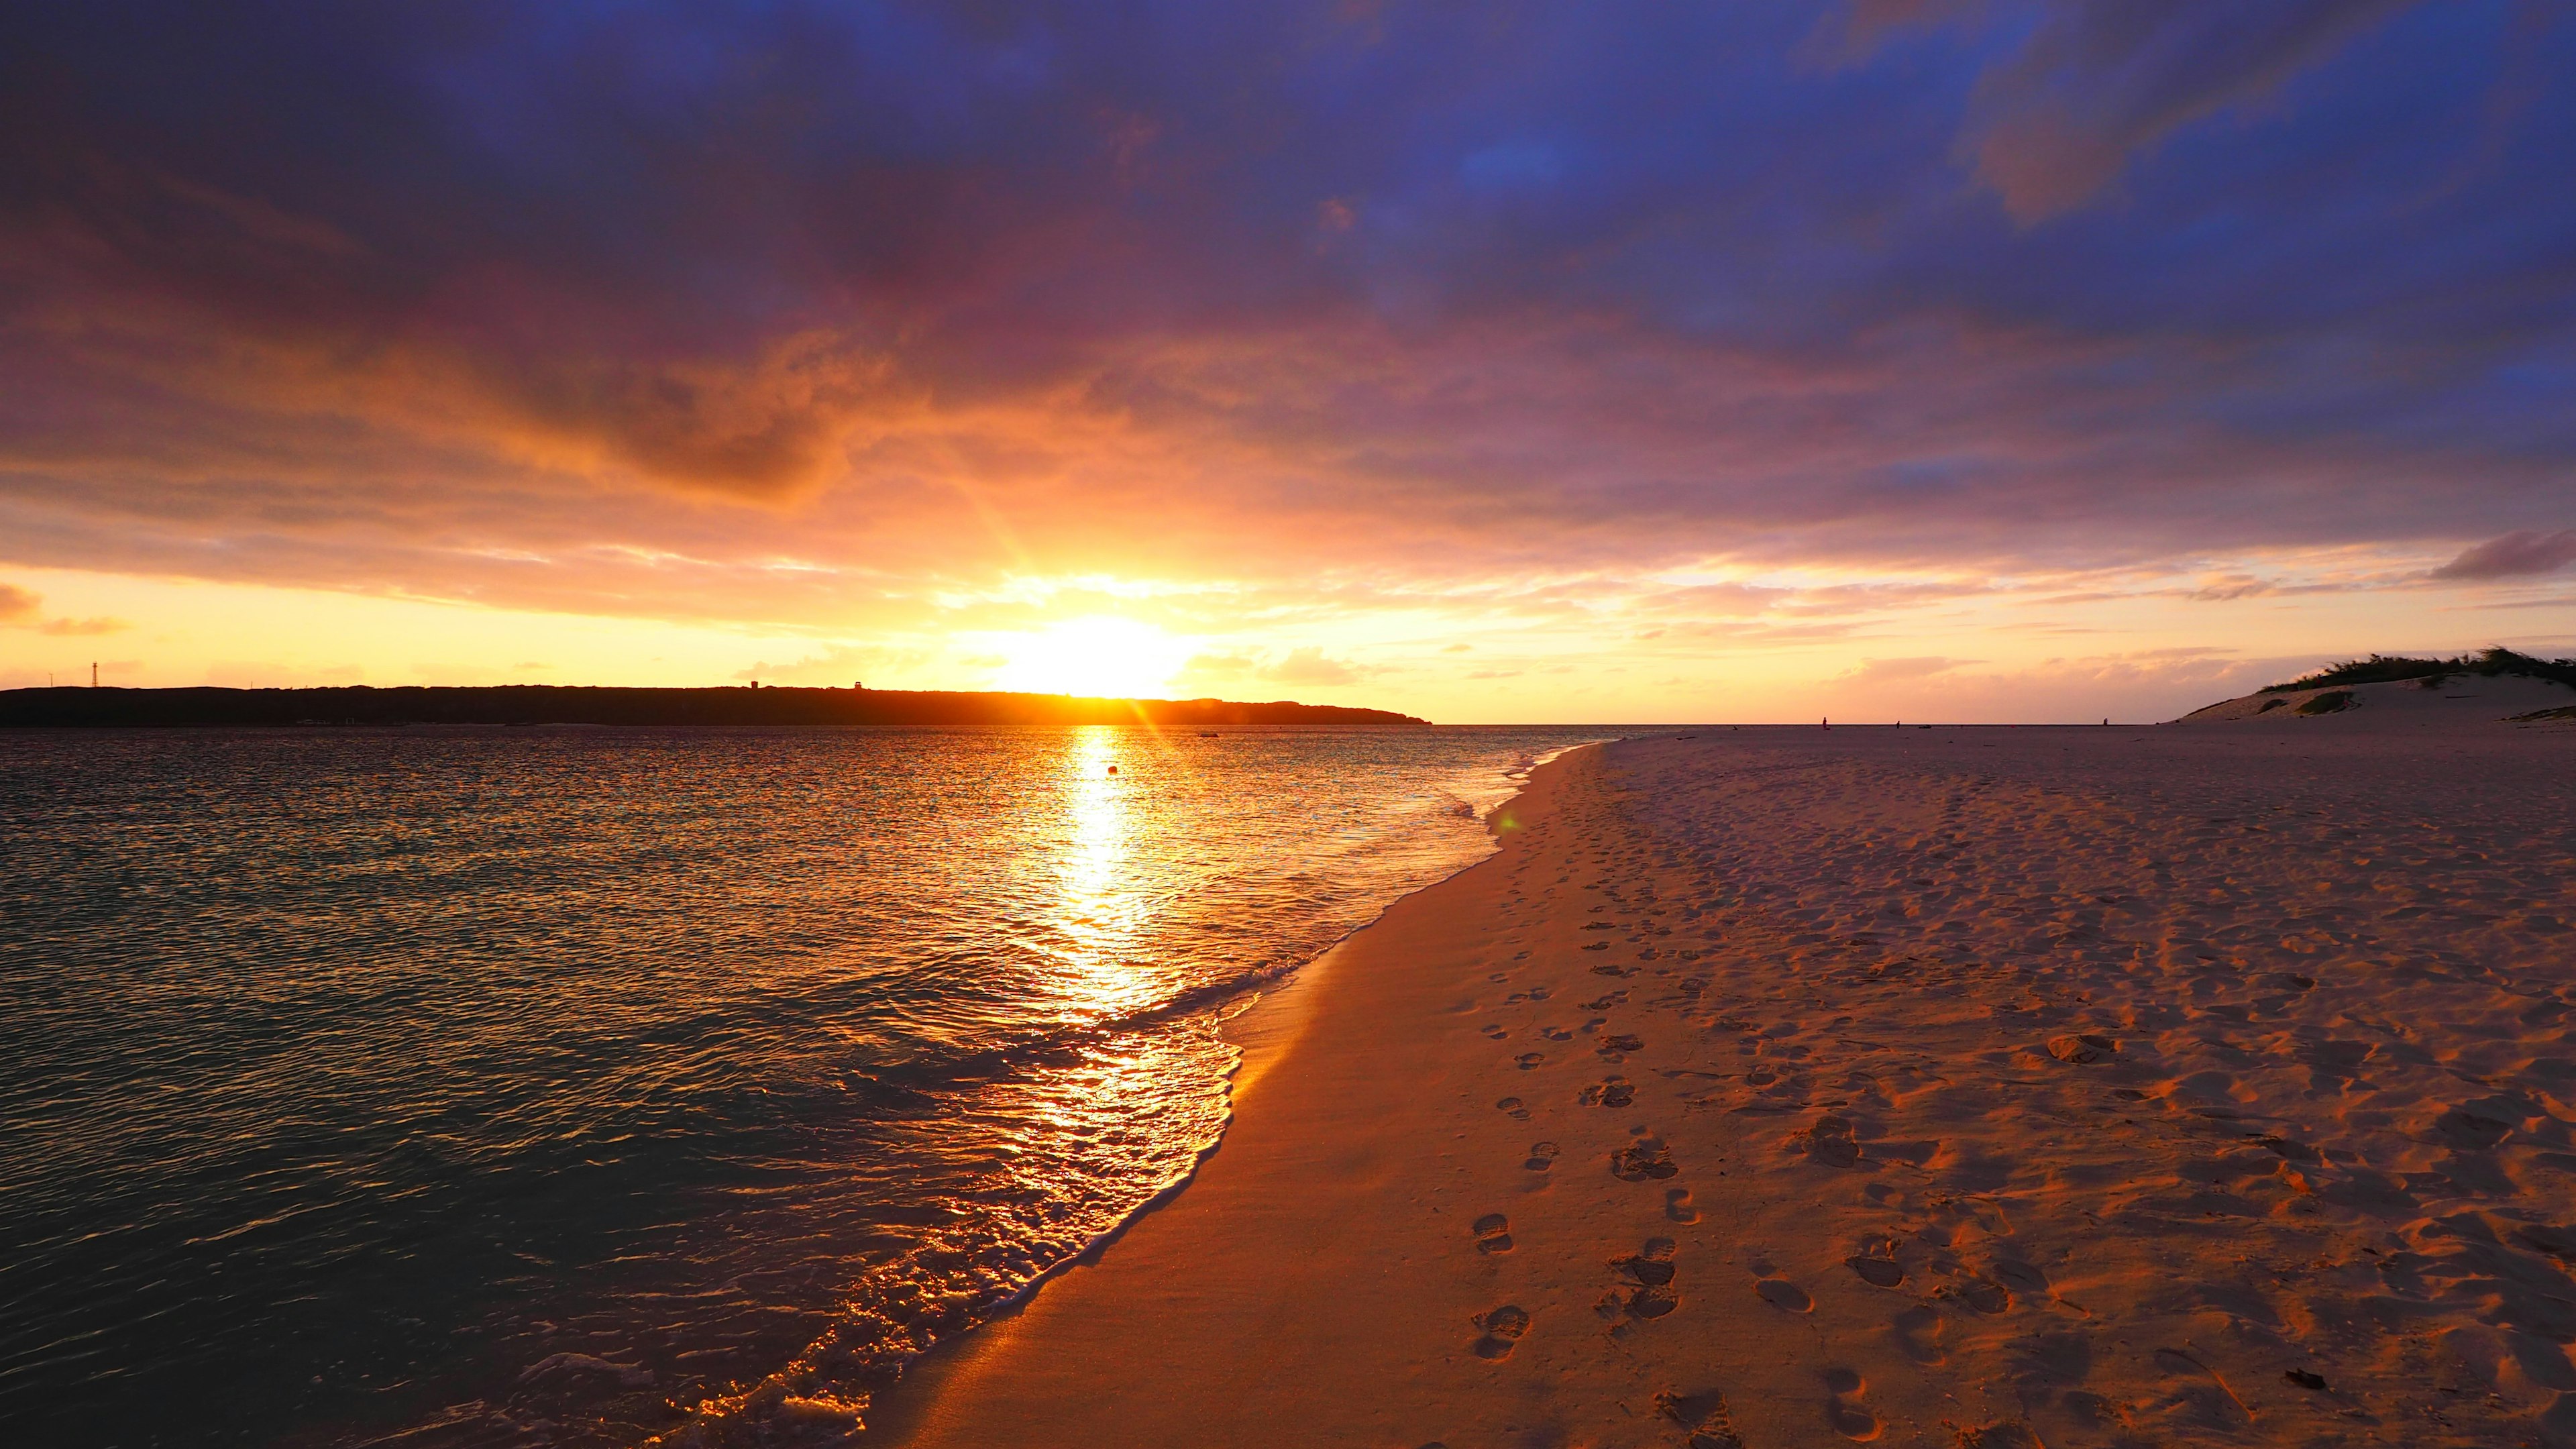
(468,1087)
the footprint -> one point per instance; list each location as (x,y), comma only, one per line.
(1677,1205)
(1542,1156)
(1493,1233)
(2020,1277)
(1643,1161)
(2082,1049)
(1830,1142)
(1513,1106)
(1494,1032)
(1651,1271)
(1875,1271)
(1703,1417)
(1918,1332)
(1503,1327)
(1615,1047)
(1784,1295)
(1982,1294)
(1530,1060)
(1615,1092)
(1842,1406)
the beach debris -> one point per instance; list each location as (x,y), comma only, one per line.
(2004,1434)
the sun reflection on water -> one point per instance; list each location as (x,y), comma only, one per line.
(1099,903)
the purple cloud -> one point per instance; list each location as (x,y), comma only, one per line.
(783,312)
(2521,554)
(2102,80)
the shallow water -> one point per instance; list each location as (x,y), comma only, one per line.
(518,1086)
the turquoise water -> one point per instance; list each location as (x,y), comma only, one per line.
(579,1086)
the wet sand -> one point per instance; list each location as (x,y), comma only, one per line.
(2205,1083)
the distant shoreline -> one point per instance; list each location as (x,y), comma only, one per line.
(75,707)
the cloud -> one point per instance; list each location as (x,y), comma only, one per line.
(2100,81)
(1311,666)
(1303,311)
(2229,590)
(1880,671)
(22,608)
(2521,554)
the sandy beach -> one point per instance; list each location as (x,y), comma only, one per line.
(2204,1083)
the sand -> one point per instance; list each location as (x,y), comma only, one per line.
(2196,1084)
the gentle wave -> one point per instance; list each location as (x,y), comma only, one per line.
(466,1089)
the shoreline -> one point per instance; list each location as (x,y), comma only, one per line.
(1259,1019)
(943,1396)
(2160,1084)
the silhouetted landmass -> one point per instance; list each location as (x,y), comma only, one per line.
(539,704)
(2385,668)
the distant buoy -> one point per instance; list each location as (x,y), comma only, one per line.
(1113,769)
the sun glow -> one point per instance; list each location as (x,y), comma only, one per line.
(1104,656)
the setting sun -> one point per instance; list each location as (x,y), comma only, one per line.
(1105,656)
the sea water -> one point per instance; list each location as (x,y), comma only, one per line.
(468,1087)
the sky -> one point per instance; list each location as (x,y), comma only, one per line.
(1917,359)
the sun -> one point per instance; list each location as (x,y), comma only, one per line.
(1103,655)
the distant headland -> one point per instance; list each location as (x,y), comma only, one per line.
(551,704)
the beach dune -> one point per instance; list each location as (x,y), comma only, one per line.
(2194,1084)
